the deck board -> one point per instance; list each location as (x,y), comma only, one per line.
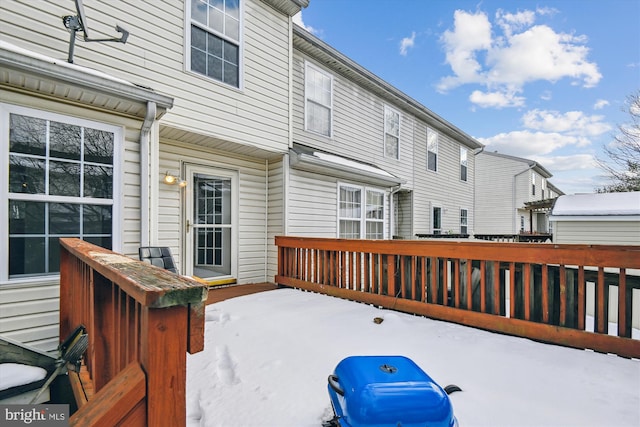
(217,294)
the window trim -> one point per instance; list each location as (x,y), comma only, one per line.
(464,165)
(307,66)
(117,197)
(466,217)
(533,183)
(240,43)
(433,215)
(363,212)
(392,110)
(437,143)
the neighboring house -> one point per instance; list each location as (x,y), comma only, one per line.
(200,92)
(598,219)
(512,195)
(368,161)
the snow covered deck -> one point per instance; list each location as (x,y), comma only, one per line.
(267,357)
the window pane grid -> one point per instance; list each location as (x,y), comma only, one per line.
(51,161)
(318,94)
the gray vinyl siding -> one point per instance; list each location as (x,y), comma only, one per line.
(30,314)
(275,217)
(358,124)
(29,308)
(257,114)
(494,187)
(441,188)
(597,232)
(252,206)
(312,205)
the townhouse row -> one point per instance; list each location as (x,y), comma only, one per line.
(217,126)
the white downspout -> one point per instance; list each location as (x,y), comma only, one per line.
(144,172)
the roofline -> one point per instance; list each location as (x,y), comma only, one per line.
(400,97)
(532,163)
(60,70)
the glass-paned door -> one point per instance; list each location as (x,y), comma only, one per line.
(210,225)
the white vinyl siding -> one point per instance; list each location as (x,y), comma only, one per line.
(318,101)
(357,124)
(250,254)
(255,115)
(596,232)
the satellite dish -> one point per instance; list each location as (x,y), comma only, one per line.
(80,23)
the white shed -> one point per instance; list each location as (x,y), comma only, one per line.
(601,219)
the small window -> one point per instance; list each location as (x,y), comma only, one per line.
(521,223)
(533,184)
(214,39)
(432,150)
(318,101)
(437,220)
(464,221)
(544,188)
(463,164)
(391,133)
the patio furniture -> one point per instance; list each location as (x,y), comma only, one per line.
(160,256)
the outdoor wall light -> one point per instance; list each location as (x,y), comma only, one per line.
(173,179)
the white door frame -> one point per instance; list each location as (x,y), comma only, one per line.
(190,224)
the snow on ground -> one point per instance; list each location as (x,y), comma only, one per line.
(267,357)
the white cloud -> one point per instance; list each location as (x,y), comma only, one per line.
(297,19)
(527,144)
(570,123)
(407,43)
(600,104)
(567,163)
(495,99)
(518,54)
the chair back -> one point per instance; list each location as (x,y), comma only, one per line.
(160,256)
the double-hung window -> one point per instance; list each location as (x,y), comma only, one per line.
(463,164)
(391,133)
(318,100)
(432,150)
(464,221)
(215,39)
(63,175)
(533,183)
(360,212)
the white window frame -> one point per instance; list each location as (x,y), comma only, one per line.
(363,220)
(544,188)
(464,164)
(307,68)
(533,183)
(435,230)
(464,221)
(187,44)
(432,147)
(115,202)
(389,132)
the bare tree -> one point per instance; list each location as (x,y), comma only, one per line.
(622,164)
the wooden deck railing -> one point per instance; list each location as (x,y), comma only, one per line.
(141,322)
(538,291)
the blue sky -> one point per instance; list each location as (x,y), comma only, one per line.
(543,80)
